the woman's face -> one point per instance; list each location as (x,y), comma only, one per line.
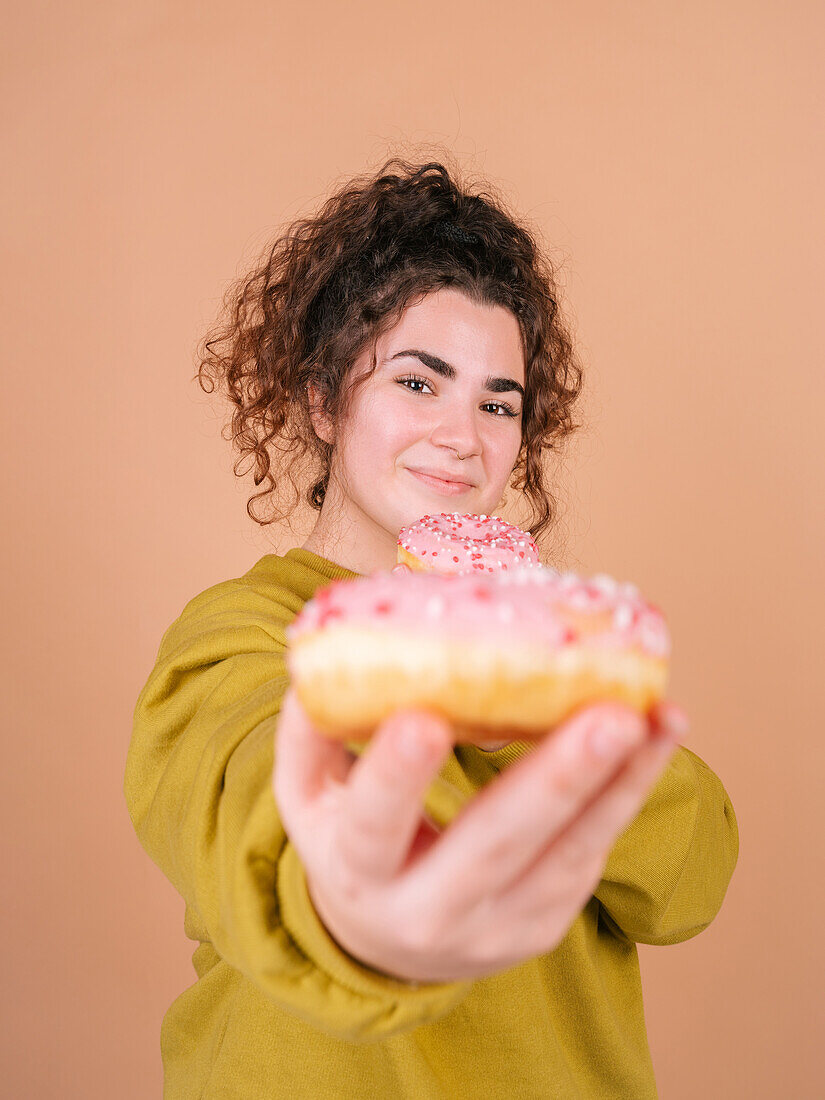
(413,417)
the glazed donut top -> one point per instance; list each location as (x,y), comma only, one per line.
(455,543)
(537,605)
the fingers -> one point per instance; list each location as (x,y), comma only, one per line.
(669,717)
(574,861)
(500,833)
(400,568)
(382,806)
(597,828)
(305,763)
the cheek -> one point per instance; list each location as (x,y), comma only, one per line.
(379,434)
(501,447)
(394,425)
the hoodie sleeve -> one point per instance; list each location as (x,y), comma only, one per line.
(667,874)
(198,786)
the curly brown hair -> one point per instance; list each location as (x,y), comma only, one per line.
(331,284)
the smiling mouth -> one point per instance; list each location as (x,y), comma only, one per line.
(440,484)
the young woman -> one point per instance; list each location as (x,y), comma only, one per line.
(407,340)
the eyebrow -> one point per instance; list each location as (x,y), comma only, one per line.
(446,370)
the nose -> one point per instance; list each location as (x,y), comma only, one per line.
(459,433)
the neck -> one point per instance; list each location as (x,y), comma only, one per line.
(353,540)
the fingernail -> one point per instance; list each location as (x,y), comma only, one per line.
(414,747)
(677,721)
(612,736)
(416,742)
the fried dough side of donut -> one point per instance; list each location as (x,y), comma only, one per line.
(415,563)
(350,677)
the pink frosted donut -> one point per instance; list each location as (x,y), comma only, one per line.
(454,543)
(512,652)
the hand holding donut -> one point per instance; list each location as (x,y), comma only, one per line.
(468,636)
(505,880)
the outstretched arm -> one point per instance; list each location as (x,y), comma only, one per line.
(667,875)
(198,789)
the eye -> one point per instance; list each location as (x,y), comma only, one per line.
(413,378)
(506,408)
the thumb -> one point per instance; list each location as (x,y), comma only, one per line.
(305,763)
(400,568)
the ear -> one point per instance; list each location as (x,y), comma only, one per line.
(320,420)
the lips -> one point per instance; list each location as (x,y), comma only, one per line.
(442,475)
(441,481)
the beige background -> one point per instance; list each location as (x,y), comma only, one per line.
(673,156)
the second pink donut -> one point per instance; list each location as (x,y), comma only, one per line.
(455,543)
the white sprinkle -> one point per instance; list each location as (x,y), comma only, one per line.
(605,583)
(580,600)
(622,617)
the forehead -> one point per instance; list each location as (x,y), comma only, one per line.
(476,338)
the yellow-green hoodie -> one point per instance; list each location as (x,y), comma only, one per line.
(278,1009)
